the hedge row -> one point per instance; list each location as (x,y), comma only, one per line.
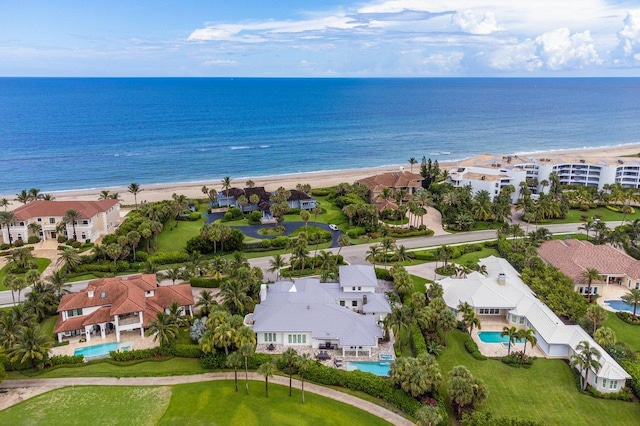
(205,282)
(66,360)
(218,360)
(169,257)
(180,350)
(364,382)
(628,317)
(418,343)
(518,360)
(472,348)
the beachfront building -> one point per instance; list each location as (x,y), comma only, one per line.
(503,295)
(118,304)
(573,257)
(491,180)
(96,218)
(346,316)
(395,181)
(571,169)
(229,198)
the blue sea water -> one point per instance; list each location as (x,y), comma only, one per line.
(74,133)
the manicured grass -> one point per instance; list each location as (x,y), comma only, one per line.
(41,262)
(574,236)
(171,367)
(207,403)
(545,393)
(418,284)
(99,405)
(217,403)
(607,215)
(624,332)
(48,324)
(473,257)
(174,238)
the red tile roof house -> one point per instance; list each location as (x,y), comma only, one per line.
(97,218)
(407,181)
(118,304)
(573,257)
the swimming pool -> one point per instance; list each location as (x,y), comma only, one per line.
(379,368)
(102,350)
(494,337)
(619,305)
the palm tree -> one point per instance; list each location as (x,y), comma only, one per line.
(58,281)
(428,416)
(267,369)
(234,296)
(226,185)
(173,274)
(512,333)
(34,228)
(633,298)
(4,203)
(343,240)
(290,360)
(276,263)
(205,303)
(412,161)
(605,337)
(164,329)
(31,346)
(70,259)
(23,196)
(469,317)
(528,335)
(595,315)
(235,361)
(246,351)
(304,363)
(224,336)
(591,274)
(134,189)
(71,217)
(586,358)
(6,219)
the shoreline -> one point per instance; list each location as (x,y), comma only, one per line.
(163,191)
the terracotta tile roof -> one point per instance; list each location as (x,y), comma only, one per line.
(131,300)
(73,323)
(166,295)
(44,208)
(382,204)
(392,180)
(573,257)
(101,315)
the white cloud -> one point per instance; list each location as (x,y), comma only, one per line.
(468,22)
(444,63)
(220,62)
(554,50)
(629,36)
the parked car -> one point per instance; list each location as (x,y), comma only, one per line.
(333,227)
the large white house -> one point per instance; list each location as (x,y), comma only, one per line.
(502,293)
(345,315)
(571,170)
(491,180)
(96,218)
(117,304)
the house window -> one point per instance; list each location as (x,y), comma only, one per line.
(74,312)
(21,223)
(604,383)
(354,303)
(521,320)
(52,221)
(85,222)
(342,303)
(489,311)
(359,288)
(269,337)
(613,384)
(83,236)
(39,219)
(596,380)
(297,338)
(19,236)
(353,288)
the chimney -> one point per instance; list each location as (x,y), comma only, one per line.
(364,299)
(263,292)
(90,294)
(502,278)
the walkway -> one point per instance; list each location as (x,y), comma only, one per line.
(45,385)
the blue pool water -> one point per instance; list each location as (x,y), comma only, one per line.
(101,350)
(494,337)
(619,305)
(379,368)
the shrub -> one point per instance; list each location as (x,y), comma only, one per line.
(204,282)
(66,360)
(254,217)
(214,361)
(428,256)
(62,239)
(199,244)
(18,243)
(186,351)
(294,211)
(383,274)
(472,348)
(375,386)
(142,256)
(418,343)
(487,419)
(280,242)
(320,192)
(33,240)
(622,395)
(628,318)
(75,244)
(356,232)
(258,359)
(169,257)
(518,360)
(139,354)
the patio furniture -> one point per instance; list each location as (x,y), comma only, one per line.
(271,347)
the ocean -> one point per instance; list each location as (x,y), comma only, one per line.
(80,133)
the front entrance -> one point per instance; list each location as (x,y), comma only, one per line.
(53,235)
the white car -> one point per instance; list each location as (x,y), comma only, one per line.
(333,227)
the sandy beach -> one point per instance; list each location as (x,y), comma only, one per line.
(157,192)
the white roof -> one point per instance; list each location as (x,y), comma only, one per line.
(486,292)
(357,275)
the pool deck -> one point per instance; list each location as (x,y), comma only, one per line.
(611,292)
(126,336)
(496,350)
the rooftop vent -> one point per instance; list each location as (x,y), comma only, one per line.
(502,278)
(103,295)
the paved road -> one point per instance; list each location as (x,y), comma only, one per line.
(44,385)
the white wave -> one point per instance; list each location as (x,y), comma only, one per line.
(233,148)
(265,146)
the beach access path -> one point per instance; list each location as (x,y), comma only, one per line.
(44,385)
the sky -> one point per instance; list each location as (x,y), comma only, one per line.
(328,38)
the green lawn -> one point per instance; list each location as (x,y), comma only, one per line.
(217,403)
(99,405)
(207,403)
(47,325)
(474,256)
(545,393)
(607,215)
(41,262)
(624,332)
(418,284)
(174,238)
(171,367)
